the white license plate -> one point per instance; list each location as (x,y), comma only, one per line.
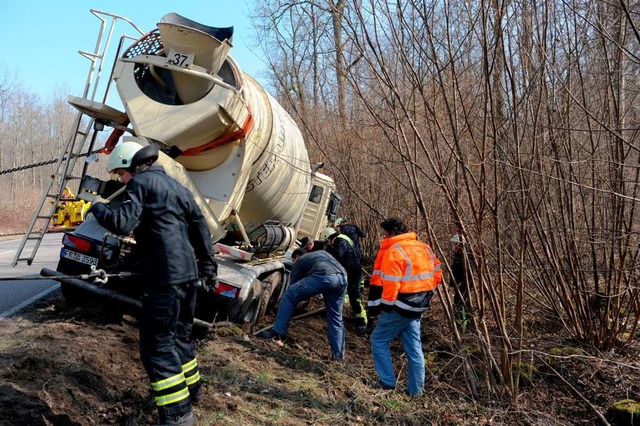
(180,59)
(78,257)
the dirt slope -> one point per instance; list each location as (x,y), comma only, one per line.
(74,366)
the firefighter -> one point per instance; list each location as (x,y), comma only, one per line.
(175,250)
(343,249)
(352,231)
(405,274)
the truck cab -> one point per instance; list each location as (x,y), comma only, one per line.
(321,208)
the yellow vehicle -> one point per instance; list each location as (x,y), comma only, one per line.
(70,211)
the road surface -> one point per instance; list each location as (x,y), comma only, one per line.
(14,295)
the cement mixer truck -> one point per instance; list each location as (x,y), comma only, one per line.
(227,140)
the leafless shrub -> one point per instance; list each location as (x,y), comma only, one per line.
(514,122)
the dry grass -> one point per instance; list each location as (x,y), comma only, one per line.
(93,364)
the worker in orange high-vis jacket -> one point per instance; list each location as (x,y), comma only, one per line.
(405,274)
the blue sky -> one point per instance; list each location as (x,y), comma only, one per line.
(41,38)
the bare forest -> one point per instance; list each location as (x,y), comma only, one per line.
(514,123)
(32,133)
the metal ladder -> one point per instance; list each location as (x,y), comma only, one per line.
(76,144)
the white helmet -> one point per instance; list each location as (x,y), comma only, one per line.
(327,232)
(122,155)
(457,239)
(339,221)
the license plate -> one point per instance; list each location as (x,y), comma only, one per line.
(78,257)
(180,59)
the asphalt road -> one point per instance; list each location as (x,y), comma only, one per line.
(14,295)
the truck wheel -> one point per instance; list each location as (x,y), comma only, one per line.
(108,311)
(257,308)
(269,283)
(263,304)
(277,290)
(72,295)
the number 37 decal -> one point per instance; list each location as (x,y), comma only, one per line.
(180,59)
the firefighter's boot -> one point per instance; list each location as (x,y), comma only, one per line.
(196,394)
(176,415)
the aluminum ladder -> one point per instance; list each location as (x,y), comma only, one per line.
(77,142)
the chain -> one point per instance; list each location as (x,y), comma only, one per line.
(44,163)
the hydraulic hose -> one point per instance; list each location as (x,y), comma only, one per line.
(105,292)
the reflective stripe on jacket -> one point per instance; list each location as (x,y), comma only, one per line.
(405,273)
(342,249)
(347,239)
(354,233)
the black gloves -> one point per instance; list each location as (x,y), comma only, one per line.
(373,311)
(209,283)
(96,207)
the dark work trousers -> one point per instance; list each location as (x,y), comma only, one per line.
(460,280)
(355,298)
(461,297)
(166,322)
(462,268)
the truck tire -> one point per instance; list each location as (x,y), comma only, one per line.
(263,304)
(72,295)
(249,314)
(274,281)
(264,299)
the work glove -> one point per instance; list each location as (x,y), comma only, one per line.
(98,203)
(373,311)
(209,283)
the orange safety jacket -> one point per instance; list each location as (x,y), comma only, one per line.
(405,273)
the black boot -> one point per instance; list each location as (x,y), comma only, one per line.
(196,394)
(177,415)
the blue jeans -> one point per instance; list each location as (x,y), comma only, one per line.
(389,326)
(332,288)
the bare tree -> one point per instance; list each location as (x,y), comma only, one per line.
(508,121)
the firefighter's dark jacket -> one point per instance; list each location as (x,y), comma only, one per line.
(344,250)
(173,241)
(355,233)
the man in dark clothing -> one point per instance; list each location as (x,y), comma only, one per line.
(342,248)
(352,231)
(175,250)
(463,266)
(312,274)
(307,244)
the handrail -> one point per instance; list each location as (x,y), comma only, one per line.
(113,15)
(161,61)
